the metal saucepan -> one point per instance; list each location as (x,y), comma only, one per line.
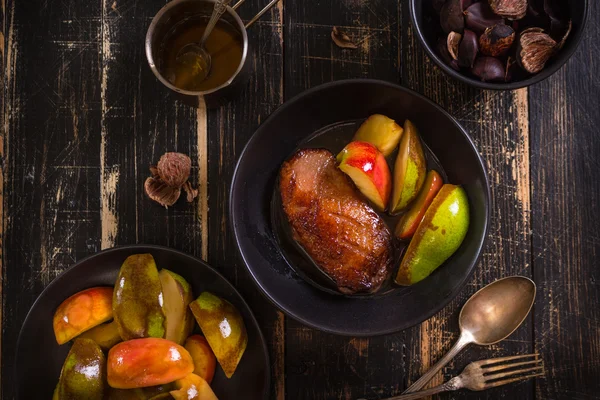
(178,11)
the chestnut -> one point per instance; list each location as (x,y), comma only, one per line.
(535,49)
(453,42)
(496,40)
(488,69)
(511,9)
(442,47)
(468,49)
(437,5)
(451,16)
(479,17)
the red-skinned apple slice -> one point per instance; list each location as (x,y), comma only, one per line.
(147,362)
(81,312)
(410,221)
(369,171)
(205,361)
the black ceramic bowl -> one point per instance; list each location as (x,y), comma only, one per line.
(40,358)
(253,188)
(427,27)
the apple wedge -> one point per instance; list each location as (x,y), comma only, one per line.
(203,356)
(369,171)
(81,312)
(410,220)
(147,362)
(381,131)
(409,169)
(193,387)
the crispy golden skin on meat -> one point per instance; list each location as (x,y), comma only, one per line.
(330,220)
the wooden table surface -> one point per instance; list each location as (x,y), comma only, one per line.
(83,118)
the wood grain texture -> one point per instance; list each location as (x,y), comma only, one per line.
(51,199)
(3,139)
(498,123)
(229,129)
(83,118)
(566,234)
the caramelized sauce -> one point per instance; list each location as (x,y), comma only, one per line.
(225,46)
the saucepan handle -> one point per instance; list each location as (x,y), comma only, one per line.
(260,13)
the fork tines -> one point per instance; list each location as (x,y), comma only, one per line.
(497,371)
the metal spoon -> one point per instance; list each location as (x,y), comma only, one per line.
(195,54)
(489,316)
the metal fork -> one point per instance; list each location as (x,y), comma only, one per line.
(486,374)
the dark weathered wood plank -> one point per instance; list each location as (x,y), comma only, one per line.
(229,128)
(498,123)
(3,137)
(566,234)
(51,189)
(140,122)
(319,365)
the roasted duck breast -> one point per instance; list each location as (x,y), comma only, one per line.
(342,234)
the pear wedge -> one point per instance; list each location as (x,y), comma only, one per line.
(437,237)
(409,170)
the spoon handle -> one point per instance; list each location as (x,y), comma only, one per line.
(462,342)
(220,7)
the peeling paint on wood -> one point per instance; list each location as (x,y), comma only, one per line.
(202,135)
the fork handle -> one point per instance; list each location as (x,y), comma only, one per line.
(462,342)
(453,384)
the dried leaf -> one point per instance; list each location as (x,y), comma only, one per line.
(160,192)
(341,39)
(190,191)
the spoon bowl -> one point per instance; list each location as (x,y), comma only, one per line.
(197,59)
(195,54)
(497,310)
(489,316)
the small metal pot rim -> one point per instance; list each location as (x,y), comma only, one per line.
(160,77)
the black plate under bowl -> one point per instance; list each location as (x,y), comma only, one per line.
(252,192)
(40,358)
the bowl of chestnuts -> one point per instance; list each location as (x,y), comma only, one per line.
(499,44)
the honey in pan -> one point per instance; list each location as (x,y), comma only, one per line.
(225,46)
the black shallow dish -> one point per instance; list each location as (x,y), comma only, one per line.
(40,358)
(252,191)
(425,24)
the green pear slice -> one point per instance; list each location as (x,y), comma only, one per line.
(223,327)
(437,237)
(177,295)
(83,374)
(409,170)
(138,299)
